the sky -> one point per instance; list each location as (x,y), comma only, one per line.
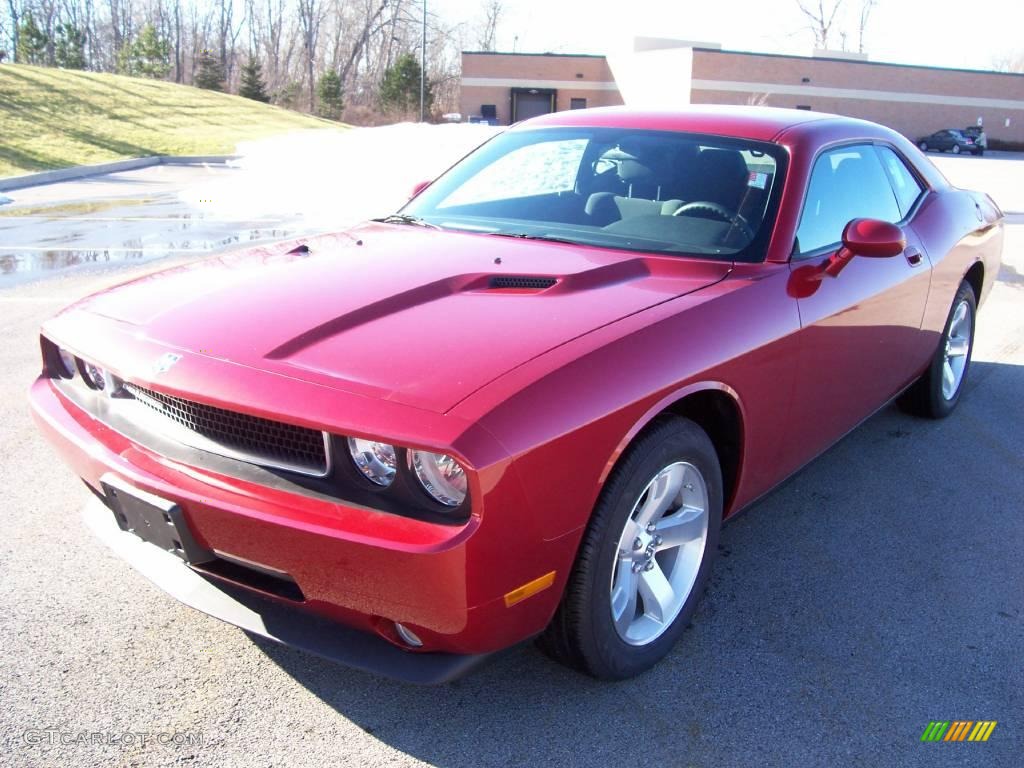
(972,36)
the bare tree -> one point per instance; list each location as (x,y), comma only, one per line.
(866,7)
(1010,62)
(15,22)
(311,15)
(296,41)
(488,32)
(179,75)
(821,16)
(370,27)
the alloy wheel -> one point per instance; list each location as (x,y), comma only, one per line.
(659,553)
(958,345)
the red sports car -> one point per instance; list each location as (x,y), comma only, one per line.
(523,405)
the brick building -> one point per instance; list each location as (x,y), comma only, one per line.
(914,100)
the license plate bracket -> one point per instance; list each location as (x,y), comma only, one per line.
(155,520)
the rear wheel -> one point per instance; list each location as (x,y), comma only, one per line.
(924,146)
(956,149)
(937,392)
(645,556)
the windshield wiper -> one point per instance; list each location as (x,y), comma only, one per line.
(525,236)
(404,218)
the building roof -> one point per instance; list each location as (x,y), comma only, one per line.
(860,62)
(527,53)
(704,49)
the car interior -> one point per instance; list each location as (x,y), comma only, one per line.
(644,190)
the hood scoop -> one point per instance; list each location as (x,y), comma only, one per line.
(520,283)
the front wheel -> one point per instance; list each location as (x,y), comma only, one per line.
(645,557)
(956,149)
(937,392)
(924,146)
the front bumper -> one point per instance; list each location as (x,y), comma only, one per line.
(274,619)
(355,567)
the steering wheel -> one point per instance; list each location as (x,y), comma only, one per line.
(720,212)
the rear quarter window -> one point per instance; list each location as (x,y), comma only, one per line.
(904,184)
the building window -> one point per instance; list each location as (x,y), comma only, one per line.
(577,103)
(804,106)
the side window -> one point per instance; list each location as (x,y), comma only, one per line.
(536,169)
(906,187)
(846,183)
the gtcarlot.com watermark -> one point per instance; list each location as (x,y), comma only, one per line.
(57,736)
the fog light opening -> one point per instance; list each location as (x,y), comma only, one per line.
(408,636)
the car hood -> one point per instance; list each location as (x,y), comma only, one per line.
(418,316)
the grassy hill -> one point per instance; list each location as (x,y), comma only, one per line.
(53,118)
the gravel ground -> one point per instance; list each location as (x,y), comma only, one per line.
(881,588)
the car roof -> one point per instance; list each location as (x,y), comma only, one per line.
(758,123)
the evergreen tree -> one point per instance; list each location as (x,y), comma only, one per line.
(32,42)
(211,74)
(148,55)
(70,48)
(330,95)
(400,88)
(252,86)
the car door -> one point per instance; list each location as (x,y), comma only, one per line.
(861,339)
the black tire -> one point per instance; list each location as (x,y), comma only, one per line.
(582,634)
(925,397)
(924,146)
(956,149)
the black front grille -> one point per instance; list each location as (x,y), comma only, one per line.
(261,441)
(523,282)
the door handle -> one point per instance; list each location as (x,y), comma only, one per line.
(913,256)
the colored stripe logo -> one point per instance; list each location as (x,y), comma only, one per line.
(959,730)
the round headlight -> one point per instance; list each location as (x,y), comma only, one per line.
(67,363)
(96,375)
(375,460)
(440,475)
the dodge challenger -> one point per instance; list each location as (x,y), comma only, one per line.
(522,405)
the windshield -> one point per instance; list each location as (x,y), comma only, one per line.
(650,191)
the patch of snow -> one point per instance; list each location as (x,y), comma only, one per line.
(333,179)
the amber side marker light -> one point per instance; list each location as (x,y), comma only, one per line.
(529,589)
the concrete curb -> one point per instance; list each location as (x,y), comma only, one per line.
(83,171)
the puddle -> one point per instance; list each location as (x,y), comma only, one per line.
(42,239)
(76,208)
(22,265)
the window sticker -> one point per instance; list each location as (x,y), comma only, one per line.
(757,179)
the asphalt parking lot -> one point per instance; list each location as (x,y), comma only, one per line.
(881,588)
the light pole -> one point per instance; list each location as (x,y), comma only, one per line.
(423,67)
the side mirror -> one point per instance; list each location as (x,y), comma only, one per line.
(873,238)
(420,187)
(867,237)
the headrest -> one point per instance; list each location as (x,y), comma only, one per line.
(723,163)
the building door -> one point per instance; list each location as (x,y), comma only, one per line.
(530,102)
